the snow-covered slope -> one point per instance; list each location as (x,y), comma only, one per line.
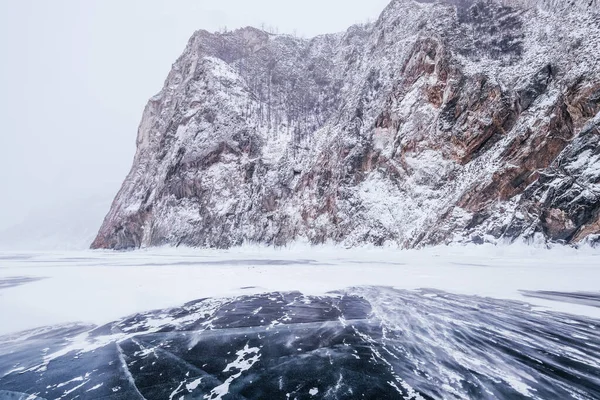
(447,120)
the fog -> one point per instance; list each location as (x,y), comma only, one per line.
(75,76)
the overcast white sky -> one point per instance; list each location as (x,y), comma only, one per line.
(75,76)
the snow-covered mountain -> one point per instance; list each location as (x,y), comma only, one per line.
(443,121)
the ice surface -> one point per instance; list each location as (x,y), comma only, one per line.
(99,287)
(363,342)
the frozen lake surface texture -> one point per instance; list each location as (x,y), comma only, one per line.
(301,323)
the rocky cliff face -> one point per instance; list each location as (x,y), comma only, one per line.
(444,121)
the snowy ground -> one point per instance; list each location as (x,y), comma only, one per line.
(301,323)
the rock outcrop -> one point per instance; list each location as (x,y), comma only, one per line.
(444,121)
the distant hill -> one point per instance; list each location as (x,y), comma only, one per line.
(70,226)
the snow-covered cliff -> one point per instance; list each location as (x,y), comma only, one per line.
(445,120)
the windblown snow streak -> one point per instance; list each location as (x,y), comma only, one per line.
(365,342)
(444,121)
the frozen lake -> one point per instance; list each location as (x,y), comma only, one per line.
(300,323)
